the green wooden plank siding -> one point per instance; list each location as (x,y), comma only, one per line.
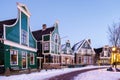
(32,41)
(7,57)
(1,54)
(12,33)
(24,22)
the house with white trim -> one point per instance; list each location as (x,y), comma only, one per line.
(48,45)
(84,53)
(104,55)
(18,47)
(67,56)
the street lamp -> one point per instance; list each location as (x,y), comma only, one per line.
(114,49)
(113,60)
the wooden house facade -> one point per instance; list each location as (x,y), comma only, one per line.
(17,44)
(67,56)
(48,45)
(84,53)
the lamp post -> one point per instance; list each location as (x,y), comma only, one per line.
(114,53)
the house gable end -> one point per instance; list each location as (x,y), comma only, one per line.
(23,8)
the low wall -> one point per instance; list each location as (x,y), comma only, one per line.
(51,66)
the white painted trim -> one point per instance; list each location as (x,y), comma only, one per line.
(55,55)
(50,43)
(80,47)
(19,6)
(66,55)
(20,26)
(4,32)
(28,31)
(10,43)
(39,57)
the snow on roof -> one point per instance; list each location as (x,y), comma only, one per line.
(63,46)
(77,45)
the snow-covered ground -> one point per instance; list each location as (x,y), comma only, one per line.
(98,75)
(50,73)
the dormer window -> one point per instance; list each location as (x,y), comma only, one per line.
(24,37)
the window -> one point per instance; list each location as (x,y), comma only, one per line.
(31,58)
(85,59)
(46,37)
(24,37)
(46,46)
(24,59)
(53,47)
(13,57)
(79,59)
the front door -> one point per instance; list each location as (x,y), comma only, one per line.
(24,60)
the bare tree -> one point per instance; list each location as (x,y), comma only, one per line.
(114,34)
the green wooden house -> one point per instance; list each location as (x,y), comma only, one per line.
(17,44)
(48,45)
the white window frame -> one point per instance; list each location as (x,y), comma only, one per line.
(24,52)
(32,54)
(46,46)
(14,52)
(24,37)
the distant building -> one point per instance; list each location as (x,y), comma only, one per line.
(104,54)
(18,48)
(67,57)
(48,45)
(84,53)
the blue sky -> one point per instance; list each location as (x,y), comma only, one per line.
(78,19)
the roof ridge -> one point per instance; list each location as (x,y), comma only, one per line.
(41,29)
(7,20)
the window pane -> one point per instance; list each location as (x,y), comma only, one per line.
(14,55)
(31,58)
(23,37)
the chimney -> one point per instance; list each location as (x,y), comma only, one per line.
(68,43)
(44,26)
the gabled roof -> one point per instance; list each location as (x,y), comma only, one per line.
(98,50)
(64,49)
(38,34)
(77,45)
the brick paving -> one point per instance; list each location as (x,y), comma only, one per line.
(71,75)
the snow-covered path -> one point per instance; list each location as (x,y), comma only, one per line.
(101,74)
(50,73)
